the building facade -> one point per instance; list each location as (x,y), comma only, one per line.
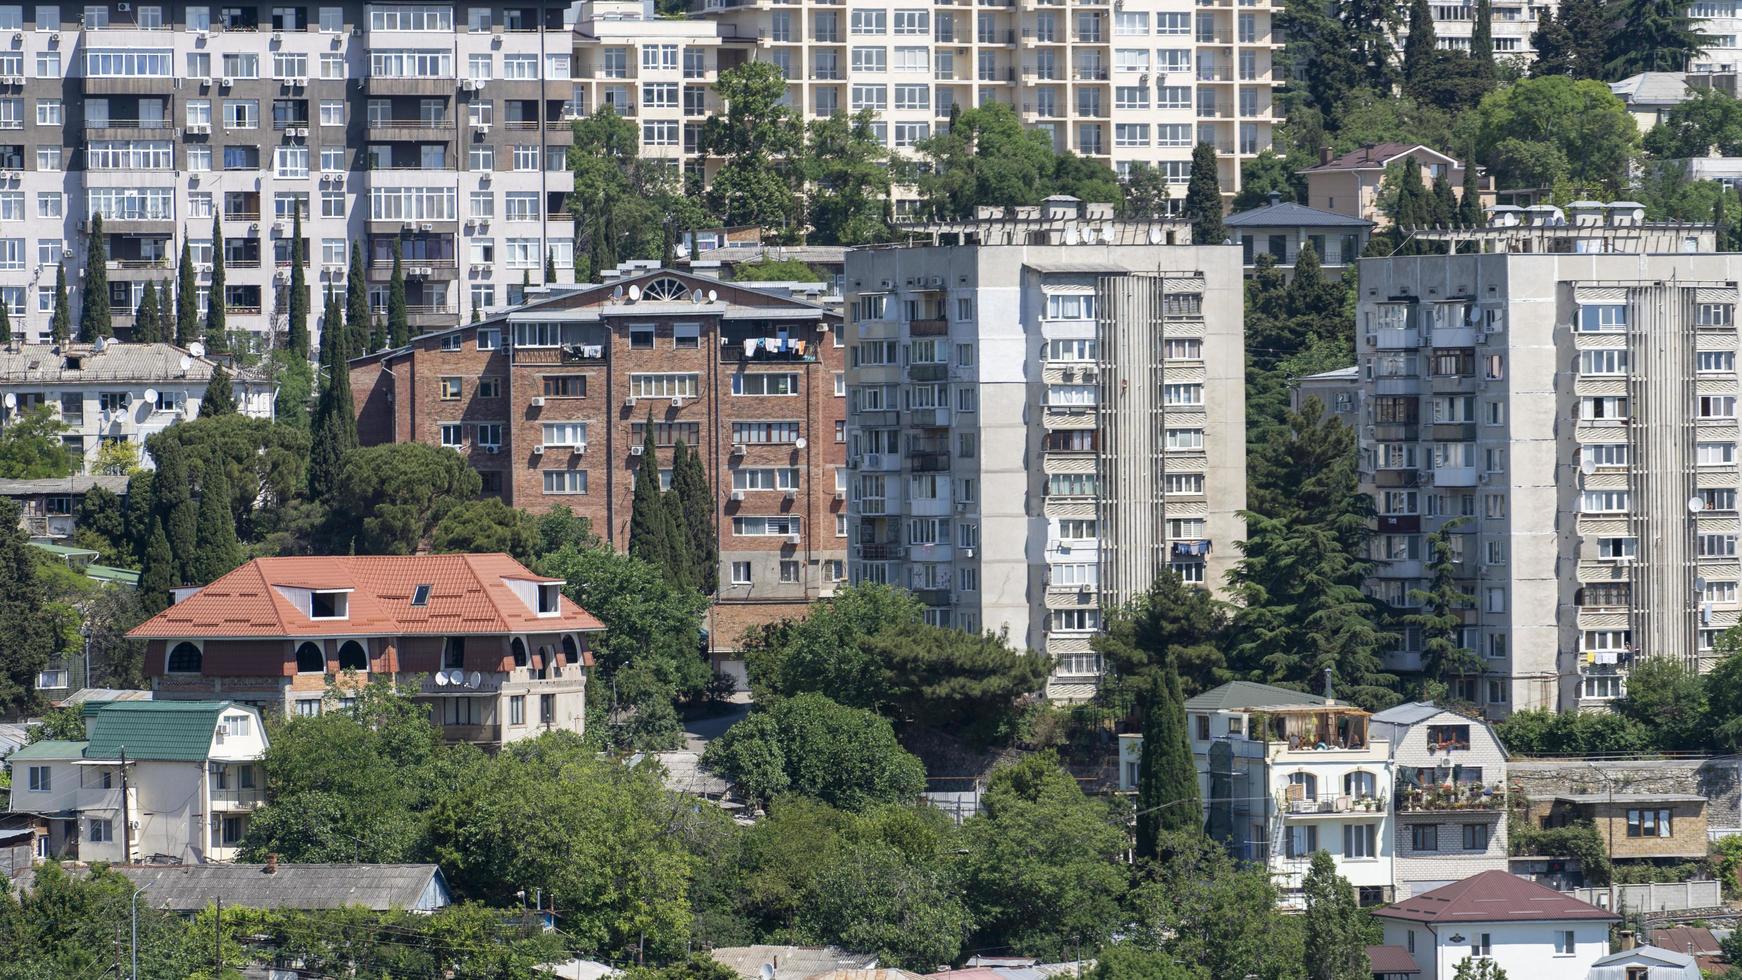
(157,780)
(1449,796)
(1526,929)
(1037,425)
(501,654)
(1564,408)
(550,402)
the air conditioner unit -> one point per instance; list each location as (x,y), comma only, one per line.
(228,81)
(963,506)
(298,82)
(201,129)
(278,227)
(54,36)
(792,539)
(492,450)
(580,449)
(66,253)
(637,449)
(629,402)
(886,284)
(934,281)
(738,495)
(216,80)
(468,85)
(538,450)
(278,35)
(840,495)
(739,449)
(538,401)
(677,401)
(792,495)
(967,552)
(482,128)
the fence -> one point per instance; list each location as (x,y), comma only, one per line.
(1654,896)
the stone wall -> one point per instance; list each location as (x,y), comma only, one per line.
(1718,779)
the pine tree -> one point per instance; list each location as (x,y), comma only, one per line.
(1368,29)
(357,306)
(1438,612)
(1553,45)
(398,322)
(689,480)
(1336,945)
(1445,202)
(1482,39)
(148,322)
(1419,45)
(60,326)
(333,432)
(1659,35)
(651,535)
(187,313)
(297,331)
(172,498)
(1204,198)
(1588,25)
(216,551)
(157,573)
(220,398)
(94,316)
(1167,781)
(216,321)
(1305,293)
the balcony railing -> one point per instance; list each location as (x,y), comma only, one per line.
(735,352)
(379,123)
(1352,804)
(1450,797)
(112,123)
(928,328)
(237,797)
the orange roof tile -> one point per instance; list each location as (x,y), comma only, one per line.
(469,594)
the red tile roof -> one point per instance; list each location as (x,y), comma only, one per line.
(1493,896)
(468,595)
(1390,959)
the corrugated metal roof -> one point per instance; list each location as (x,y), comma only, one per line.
(46,364)
(49,750)
(1410,713)
(77,483)
(792,961)
(178,731)
(1240,695)
(192,887)
(1287,214)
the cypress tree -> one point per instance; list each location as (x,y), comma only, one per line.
(683,559)
(172,496)
(5,321)
(157,574)
(216,321)
(1306,294)
(398,323)
(377,336)
(1470,206)
(651,535)
(187,313)
(60,326)
(1553,45)
(550,267)
(1204,198)
(332,329)
(357,305)
(334,431)
(1445,203)
(219,398)
(1419,45)
(1482,39)
(1588,26)
(297,331)
(148,322)
(1656,35)
(689,480)
(94,316)
(1439,613)
(1167,781)
(217,551)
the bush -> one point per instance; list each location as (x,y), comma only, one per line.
(845,757)
(1545,732)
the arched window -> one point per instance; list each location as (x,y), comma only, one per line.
(352,657)
(310,659)
(519,650)
(571,650)
(1308,783)
(454,654)
(184,658)
(1361,785)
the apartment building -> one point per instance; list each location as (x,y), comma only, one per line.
(1563,406)
(154,781)
(499,653)
(1040,416)
(1511,22)
(550,402)
(1136,81)
(442,127)
(1449,797)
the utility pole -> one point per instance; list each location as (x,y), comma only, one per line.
(126,814)
(218,940)
(133,904)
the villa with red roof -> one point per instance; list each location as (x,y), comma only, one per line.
(1527,929)
(499,652)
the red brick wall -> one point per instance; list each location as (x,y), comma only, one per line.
(372,394)
(248,658)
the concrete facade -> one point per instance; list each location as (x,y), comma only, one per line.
(1443,836)
(1034,429)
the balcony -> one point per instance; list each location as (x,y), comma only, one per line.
(1454,476)
(477,734)
(1392,479)
(928,328)
(1296,806)
(761,350)
(1450,797)
(881,552)
(410,130)
(1197,549)
(238,798)
(928,462)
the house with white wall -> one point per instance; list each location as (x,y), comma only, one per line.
(1527,929)
(1449,796)
(167,781)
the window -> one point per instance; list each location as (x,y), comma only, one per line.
(1448,736)
(517,709)
(1302,841)
(101,832)
(1717,406)
(1475,837)
(788,571)
(1360,841)
(41,779)
(310,659)
(453,434)
(572,482)
(329,605)
(1482,945)
(1649,823)
(184,658)
(1602,319)
(771,383)
(1565,940)
(1424,837)
(1070,307)
(754,527)
(1715,362)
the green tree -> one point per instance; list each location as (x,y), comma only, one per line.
(102,525)
(1336,932)
(849,170)
(1127,961)
(157,574)
(31,447)
(1319,44)
(487,525)
(1147,197)
(1169,625)
(334,426)
(1659,36)
(879,900)
(148,319)
(1546,732)
(1265,174)
(1368,29)
(172,499)
(758,140)
(1204,197)
(653,538)
(986,157)
(1084,178)
(187,313)
(1590,25)
(1470,203)
(825,651)
(965,683)
(1204,907)
(1439,611)
(398,320)
(1478,968)
(29,634)
(296,382)
(217,302)
(1708,121)
(357,306)
(219,397)
(1167,781)
(216,550)
(388,499)
(1482,39)
(1669,699)
(1724,693)
(94,317)
(774,270)
(1420,44)
(559,527)
(683,559)
(1553,45)
(264,464)
(689,483)
(1579,122)
(297,331)
(609,178)
(845,757)
(60,323)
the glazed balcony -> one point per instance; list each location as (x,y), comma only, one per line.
(1450,797)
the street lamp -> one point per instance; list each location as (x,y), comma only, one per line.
(133,905)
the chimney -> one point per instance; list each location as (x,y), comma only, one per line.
(1324,155)
(1628,940)
(272,863)
(1275,198)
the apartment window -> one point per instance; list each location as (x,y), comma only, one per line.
(1715,362)
(1717,406)
(1714,315)
(771,383)
(1424,837)
(1182,394)
(1070,307)
(526,156)
(663,385)
(1360,841)
(752,527)
(1649,823)
(740,573)
(453,434)
(517,709)
(449,388)
(1602,319)
(565,482)
(101,831)
(40,779)
(332,20)
(50,204)
(48,64)
(1612,361)
(332,66)
(1482,945)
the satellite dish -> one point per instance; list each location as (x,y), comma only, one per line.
(197,349)
(1070,236)
(474,679)
(11,400)
(634,293)
(1107,232)
(151,394)
(186,362)
(767,971)
(1587,465)
(617,293)
(1695,505)
(99,344)
(713,296)
(696,297)
(1699,584)
(798,443)
(1154,235)
(441,678)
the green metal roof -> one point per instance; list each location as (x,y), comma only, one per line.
(48,750)
(1242,695)
(178,731)
(66,552)
(120,576)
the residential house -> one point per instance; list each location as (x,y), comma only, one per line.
(1644,963)
(1649,96)
(1449,796)
(48,508)
(168,781)
(1349,184)
(789,962)
(190,888)
(1391,963)
(499,653)
(1338,390)
(1696,941)
(1281,229)
(1528,930)
(1639,827)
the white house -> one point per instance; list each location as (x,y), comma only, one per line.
(154,780)
(1644,963)
(1530,931)
(1449,796)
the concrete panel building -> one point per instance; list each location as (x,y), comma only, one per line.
(1043,414)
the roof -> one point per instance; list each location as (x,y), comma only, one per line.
(192,887)
(469,594)
(888,973)
(1494,896)
(1391,959)
(84,694)
(48,364)
(1668,957)
(1241,695)
(793,961)
(77,483)
(1652,88)
(179,731)
(1685,938)
(1280,214)
(1586,799)
(1375,157)
(64,551)
(49,750)
(104,573)
(1409,713)
(1350,373)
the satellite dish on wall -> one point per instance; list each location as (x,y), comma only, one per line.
(1587,465)
(1088,234)
(1699,584)
(441,678)
(798,443)
(11,400)
(186,362)
(197,349)
(474,679)
(151,394)
(1695,505)
(1107,232)
(713,296)
(767,971)
(697,298)
(1154,235)
(634,293)
(1070,236)
(99,344)
(617,293)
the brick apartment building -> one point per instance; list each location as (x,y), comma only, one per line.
(549,401)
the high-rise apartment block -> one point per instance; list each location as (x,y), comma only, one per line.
(1043,414)
(1562,406)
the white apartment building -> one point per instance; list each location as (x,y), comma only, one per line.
(1124,82)
(1449,796)
(1511,23)
(1040,417)
(1565,405)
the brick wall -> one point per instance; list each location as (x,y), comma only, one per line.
(1715,778)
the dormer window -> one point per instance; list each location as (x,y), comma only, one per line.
(329,605)
(420,595)
(548,604)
